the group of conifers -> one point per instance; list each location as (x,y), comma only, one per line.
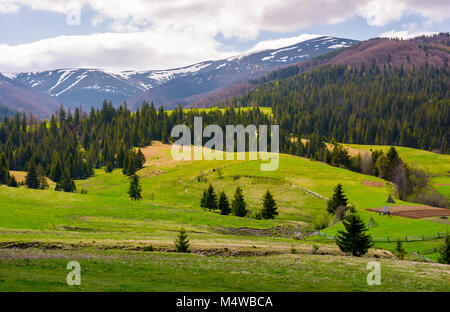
(238,206)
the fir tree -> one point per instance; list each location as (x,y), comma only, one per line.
(135,189)
(211,198)
(4,169)
(444,251)
(140,159)
(203,200)
(399,251)
(12,182)
(338,200)
(224,205)
(182,242)
(31,180)
(67,184)
(238,206)
(109,166)
(43,184)
(269,210)
(354,238)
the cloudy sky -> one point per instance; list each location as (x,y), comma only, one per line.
(160,34)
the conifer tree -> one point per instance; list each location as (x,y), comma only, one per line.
(224,205)
(135,189)
(67,184)
(399,251)
(4,169)
(43,184)
(354,238)
(338,200)
(238,206)
(269,210)
(31,180)
(444,251)
(12,182)
(203,200)
(140,159)
(182,242)
(211,198)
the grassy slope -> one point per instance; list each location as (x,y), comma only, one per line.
(436,164)
(105,216)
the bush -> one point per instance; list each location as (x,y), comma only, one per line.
(321,221)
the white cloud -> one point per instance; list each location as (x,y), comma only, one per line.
(282,42)
(405,34)
(157,33)
(137,50)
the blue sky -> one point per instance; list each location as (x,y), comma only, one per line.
(137,34)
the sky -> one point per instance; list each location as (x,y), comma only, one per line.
(117,35)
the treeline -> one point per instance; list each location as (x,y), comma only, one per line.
(366,105)
(71,145)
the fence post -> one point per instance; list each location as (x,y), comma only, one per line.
(406,237)
(388,239)
(439,235)
(423,237)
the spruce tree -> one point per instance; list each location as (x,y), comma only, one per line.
(135,189)
(269,210)
(67,184)
(43,184)
(444,251)
(224,205)
(4,169)
(211,198)
(339,199)
(354,238)
(238,206)
(399,251)
(31,180)
(203,201)
(140,159)
(182,242)
(12,182)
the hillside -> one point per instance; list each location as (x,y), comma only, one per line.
(389,53)
(106,226)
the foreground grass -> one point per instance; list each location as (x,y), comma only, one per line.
(35,270)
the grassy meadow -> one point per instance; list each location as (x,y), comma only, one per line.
(41,230)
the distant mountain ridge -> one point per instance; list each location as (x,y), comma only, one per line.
(417,52)
(88,87)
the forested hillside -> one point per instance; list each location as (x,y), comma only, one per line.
(368,105)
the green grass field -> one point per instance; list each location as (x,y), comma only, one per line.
(40,230)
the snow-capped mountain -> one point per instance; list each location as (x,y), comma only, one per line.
(90,87)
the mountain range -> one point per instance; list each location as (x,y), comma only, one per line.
(41,93)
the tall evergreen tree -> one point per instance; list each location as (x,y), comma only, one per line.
(354,238)
(444,251)
(211,198)
(238,206)
(66,184)
(182,242)
(224,205)
(338,200)
(31,179)
(269,210)
(135,189)
(399,251)
(4,169)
